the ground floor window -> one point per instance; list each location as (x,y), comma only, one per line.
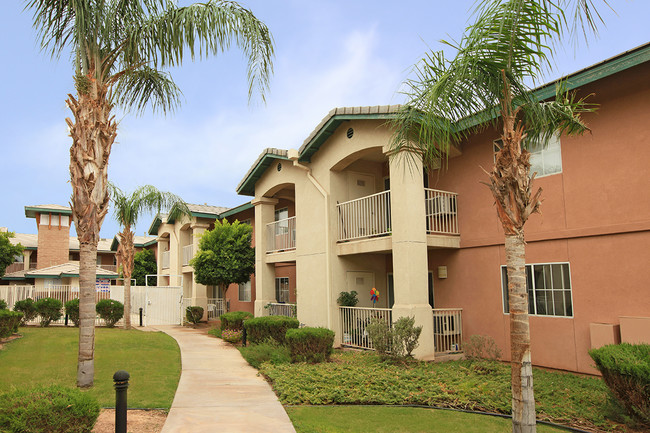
(215,292)
(245,292)
(282,289)
(549,289)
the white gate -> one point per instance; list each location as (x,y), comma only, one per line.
(161,305)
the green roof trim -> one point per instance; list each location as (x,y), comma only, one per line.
(155,225)
(115,243)
(149,243)
(247,187)
(31,211)
(236,210)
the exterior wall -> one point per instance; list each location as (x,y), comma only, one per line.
(53,244)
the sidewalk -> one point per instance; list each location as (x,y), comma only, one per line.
(218,390)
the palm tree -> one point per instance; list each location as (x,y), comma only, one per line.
(127,210)
(487,84)
(119,49)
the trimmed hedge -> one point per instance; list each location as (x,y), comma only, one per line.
(194,314)
(110,310)
(48,409)
(260,329)
(234,320)
(49,309)
(3,305)
(9,322)
(310,344)
(626,371)
(72,310)
(28,308)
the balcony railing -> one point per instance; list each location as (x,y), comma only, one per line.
(448,329)
(441,212)
(112,268)
(188,254)
(281,235)
(355,320)
(216,307)
(165,260)
(364,217)
(280,309)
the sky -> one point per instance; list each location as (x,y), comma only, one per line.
(328,53)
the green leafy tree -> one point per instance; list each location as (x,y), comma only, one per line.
(225,255)
(8,251)
(487,84)
(144,263)
(119,51)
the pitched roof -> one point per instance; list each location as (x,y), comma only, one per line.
(204,209)
(27,240)
(138,241)
(70,269)
(103,246)
(31,211)
(268,155)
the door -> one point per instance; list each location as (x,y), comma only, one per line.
(362,185)
(430,286)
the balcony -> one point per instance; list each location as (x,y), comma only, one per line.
(281,235)
(188,254)
(364,217)
(441,214)
(165,260)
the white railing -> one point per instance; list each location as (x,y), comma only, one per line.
(280,309)
(364,217)
(355,320)
(165,260)
(441,212)
(188,254)
(216,307)
(448,329)
(281,235)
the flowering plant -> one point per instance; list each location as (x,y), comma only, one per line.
(231,335)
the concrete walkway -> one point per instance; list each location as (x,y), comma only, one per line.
(219,391)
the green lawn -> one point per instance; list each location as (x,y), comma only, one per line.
(381,419)
(49,356)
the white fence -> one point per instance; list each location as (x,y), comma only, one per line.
(364,217)
(448,329)
(280,309)
(188,254)
(216,307)
(355,320)
(441,212)
(281,235)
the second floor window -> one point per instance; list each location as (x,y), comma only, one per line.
(282,289)
(282,215)
(544,160)
(245,292)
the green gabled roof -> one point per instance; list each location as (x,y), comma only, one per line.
(155,224)
(236,210)
(138,242)
(31,211)
(266,158)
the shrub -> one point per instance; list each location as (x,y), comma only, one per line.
(348,299)
(49,309)
(405,336)
(28,308)
(72,310)
(9,321)
(310,344)
(380,335)
(110,310)
(269,351)
(626,371)
(259,329)
(232,335)
(48,409)
(3,305)
(194,314)
(481,347)
(234,319)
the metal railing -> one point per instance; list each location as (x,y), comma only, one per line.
(165,260)
(355,320)
(441,212)
(216,307)
(281,309)
(188,254)
(112,268)
(281,235)
(448,329)
(364,217)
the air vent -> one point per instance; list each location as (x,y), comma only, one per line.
(279,166)
(350,132)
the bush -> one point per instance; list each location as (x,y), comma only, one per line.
(3,305)
(269,351)
(348,299)
(405,336)
(9,321)
(110,310)
(48,409)
(380,335)
(481,347)
(72,310)
(232,335)
(626,371)
(234,320)
(310,344)
(260,329)
(28,308)
(49,309)
(194,314)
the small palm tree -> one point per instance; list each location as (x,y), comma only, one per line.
(487,83)
(119,49)
(127,210)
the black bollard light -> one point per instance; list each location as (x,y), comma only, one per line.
(140,316)
(121,379)
(66,319)
(243,337)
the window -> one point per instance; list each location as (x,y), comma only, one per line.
(282,289)
(282,215)
(247,221)
(543,160)
(549,289)
(245,292)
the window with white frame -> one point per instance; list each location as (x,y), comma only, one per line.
(245,292)
(282,289)
(549,289)
(282,215)
(544,160)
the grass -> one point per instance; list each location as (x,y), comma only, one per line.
(49,356)
(378,419)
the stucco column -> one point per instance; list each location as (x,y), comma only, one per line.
(410,267)
(199,291)
(264,272)
(27,258)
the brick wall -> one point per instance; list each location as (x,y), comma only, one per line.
(53,244)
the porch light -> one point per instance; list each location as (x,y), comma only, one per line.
(442,272)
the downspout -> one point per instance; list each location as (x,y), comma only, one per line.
(293,156)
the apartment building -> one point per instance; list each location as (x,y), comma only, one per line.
(430,240)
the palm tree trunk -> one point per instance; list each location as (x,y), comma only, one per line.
(87,270)
(127,254)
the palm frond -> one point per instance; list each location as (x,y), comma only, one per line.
(128,208)
(135,89)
